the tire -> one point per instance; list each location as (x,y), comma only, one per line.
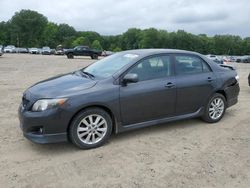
(215,109)
(94,56)
(70,56)
(85,135)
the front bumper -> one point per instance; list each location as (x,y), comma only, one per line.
(43,127)
(46,53)
(45,138)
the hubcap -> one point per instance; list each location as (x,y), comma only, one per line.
(216,108)
(92,129)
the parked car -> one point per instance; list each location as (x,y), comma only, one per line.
(249,79)
(125,91)
(34,51)
(232,59)
(10,49)
(1,50)
(22,50)
(46,50)
(216,59)
(107,53)
(238,59)
(59,50)
(245,59)
(82,51)
(52,51)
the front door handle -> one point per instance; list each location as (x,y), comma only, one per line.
(169,85)
(209,79)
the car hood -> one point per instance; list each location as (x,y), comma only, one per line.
(61,86)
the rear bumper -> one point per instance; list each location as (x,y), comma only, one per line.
(232,102)
(232,93)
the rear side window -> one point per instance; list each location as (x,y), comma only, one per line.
(188,64)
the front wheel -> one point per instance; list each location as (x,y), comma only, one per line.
(91,128)
(215,109)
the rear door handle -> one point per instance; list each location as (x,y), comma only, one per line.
(169,85)
(209,79)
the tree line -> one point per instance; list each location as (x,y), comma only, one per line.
(29,28)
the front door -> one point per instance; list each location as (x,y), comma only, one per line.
(153,96)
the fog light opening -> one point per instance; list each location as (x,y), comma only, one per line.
(41,130)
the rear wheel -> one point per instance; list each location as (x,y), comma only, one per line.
(94,56)
(215,109)
(70,56)
(90,128)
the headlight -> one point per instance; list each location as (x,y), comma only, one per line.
(237,77)
(45,104)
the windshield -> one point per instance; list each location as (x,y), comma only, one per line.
(110,65)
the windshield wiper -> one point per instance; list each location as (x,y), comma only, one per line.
(89,74)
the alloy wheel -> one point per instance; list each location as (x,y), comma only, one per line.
(216,108)
(92,129)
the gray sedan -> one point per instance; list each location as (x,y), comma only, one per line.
(125,91)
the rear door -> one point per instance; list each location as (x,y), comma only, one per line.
(85,51)
(78,50)
(153,96)
(195,83)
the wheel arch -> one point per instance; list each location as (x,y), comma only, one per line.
(105,108)
(222,92)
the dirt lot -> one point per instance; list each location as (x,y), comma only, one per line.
(185,154)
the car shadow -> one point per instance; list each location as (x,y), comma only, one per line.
(53,148)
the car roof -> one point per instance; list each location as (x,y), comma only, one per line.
(147,52)
(83,46)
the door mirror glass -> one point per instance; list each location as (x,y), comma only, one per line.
(130,78)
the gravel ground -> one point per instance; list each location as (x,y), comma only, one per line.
(185,154)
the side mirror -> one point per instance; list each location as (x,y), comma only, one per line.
(130,78)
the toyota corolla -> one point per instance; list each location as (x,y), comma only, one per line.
(125,91)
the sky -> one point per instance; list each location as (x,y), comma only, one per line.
(111,17)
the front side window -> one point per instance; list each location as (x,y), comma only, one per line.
(153,68)
(78,48)
(188,64)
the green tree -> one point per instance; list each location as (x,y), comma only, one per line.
(80,41)
(66,34)
(117,49)
(96,45)
(246,46)
(130,39)
(3,33)
(149,38)
(90,35)
(27,27)
(50,35)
